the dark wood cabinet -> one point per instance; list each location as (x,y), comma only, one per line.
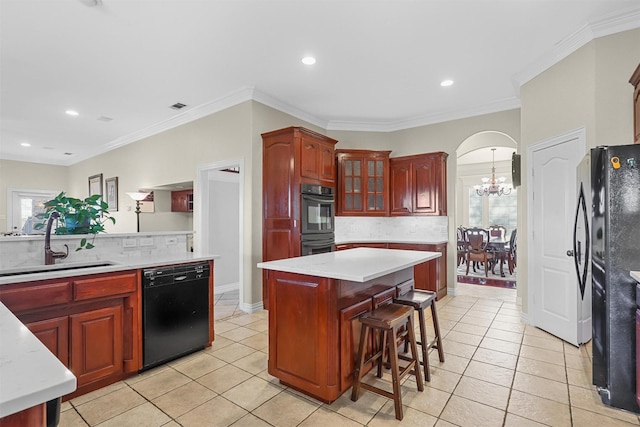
(418,184)
(430,275)
(350,329)
(96,344)
(91,323)
(54,334)
(363,182)
(182,201)
(290,157)
(635,81)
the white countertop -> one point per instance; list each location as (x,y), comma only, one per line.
(635,275)
(117,263)
(358,265)
(29,373)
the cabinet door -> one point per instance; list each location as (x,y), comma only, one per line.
(376,188)
(327,164)
(400,187)
(309,161)
(54,334)
(351,186)
(425,187)
(96,344)
(350,330)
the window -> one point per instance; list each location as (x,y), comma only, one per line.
(493,210)
(23,207)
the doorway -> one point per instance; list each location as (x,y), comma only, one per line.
(485,197)
(219,195)
(555,304)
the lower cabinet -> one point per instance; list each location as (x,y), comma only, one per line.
(91,325)
(96,344)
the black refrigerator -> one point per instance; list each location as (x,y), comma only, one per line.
(615,250)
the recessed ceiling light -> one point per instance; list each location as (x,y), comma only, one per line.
(446,83)
(71,112)
(308,60)
(25,144)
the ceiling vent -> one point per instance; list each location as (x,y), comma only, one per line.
(178,106)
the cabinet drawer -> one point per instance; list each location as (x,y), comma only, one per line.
(100,286)
(27,296)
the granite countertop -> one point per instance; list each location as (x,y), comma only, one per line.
(358,265)
(635,275)
(115,263)
(29,373)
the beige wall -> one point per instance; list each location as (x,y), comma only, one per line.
(587,89)
(31,176)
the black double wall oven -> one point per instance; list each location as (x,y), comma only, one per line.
(317,219)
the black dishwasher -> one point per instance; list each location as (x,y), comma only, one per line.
(175,312)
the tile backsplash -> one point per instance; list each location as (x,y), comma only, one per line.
(419,229)
(26,251)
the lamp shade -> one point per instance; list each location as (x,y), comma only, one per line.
(138,196)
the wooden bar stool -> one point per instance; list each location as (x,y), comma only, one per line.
(420,300)
(386,321)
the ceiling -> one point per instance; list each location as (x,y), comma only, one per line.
(122,64)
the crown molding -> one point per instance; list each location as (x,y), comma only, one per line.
(609,24)
(392,126)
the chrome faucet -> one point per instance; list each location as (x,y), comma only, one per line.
(49,255)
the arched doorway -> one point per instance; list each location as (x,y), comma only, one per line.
(477,157)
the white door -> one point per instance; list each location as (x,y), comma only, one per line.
(552,278)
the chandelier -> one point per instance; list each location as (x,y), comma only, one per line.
(493,186)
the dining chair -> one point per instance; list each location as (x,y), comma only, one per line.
(477,250)
(462,245)
(497,232)
(512,252)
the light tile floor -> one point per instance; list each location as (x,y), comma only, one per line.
(498,372)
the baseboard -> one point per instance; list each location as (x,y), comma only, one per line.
(452,291)
(217,290)
(250,308)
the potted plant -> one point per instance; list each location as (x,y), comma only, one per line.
(77,216)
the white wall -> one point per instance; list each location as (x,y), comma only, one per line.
(223,227)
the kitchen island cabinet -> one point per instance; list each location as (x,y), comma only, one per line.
(314,304)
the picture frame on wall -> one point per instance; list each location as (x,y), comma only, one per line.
(111,193)
(95,184)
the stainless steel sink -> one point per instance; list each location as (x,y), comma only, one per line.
(50,268)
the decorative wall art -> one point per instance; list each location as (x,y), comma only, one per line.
(95,184)
(111,193)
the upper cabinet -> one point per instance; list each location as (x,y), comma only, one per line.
(635,81)
(182,201)
(363,182)
(316,160)
(418,184)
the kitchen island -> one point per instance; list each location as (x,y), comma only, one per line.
(314,305)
